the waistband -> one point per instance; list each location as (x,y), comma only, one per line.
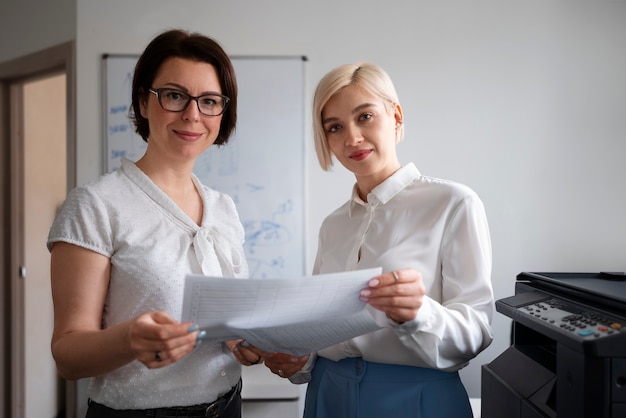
(359,369)
(208,410)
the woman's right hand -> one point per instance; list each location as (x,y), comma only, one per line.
(157,340)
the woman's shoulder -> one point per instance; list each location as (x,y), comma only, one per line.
(105,184)
(444,187)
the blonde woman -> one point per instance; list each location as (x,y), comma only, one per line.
(431,237)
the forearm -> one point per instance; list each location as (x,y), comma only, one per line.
(82,354)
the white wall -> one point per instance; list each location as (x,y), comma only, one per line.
(523,101)
(28,26)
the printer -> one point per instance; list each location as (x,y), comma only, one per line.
(567,357)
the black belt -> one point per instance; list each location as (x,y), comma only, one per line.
(207,410)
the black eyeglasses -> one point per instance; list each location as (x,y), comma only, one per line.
(212,104)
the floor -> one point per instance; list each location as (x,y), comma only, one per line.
(475,402)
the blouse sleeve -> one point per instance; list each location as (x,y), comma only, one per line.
(83,220)
(453,331)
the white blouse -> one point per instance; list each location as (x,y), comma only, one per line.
(152,244)
(438,228)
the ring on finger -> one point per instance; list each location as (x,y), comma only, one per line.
(157,356)
(395,276)
(280,372)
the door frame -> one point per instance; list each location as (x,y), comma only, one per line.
(52,60)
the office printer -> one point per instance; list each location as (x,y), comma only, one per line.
(568,352)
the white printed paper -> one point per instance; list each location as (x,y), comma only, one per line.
(296,316)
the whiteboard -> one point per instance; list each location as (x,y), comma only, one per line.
(261,167)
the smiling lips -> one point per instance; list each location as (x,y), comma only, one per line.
(360,155)
(188,136)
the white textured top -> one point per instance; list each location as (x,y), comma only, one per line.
(152,245)
(438,228)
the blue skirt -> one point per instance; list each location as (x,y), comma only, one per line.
(355,388)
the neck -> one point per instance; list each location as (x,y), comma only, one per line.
(175,181)
(365,184)
(172,178)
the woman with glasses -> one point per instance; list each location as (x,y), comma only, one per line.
(434,300)
(122,245)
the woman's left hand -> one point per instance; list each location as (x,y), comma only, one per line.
(285,365)
(245,353)
(399,294)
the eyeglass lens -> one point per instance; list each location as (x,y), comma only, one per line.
(177,101)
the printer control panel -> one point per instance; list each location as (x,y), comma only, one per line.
(579,322)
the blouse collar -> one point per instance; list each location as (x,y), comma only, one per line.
(226,251)
(386,190)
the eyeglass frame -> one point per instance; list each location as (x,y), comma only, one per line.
(157,93)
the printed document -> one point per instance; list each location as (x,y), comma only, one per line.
(296,316)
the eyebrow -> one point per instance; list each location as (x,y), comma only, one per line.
(355,110)
(176,86)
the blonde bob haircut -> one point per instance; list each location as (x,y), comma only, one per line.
(366,75)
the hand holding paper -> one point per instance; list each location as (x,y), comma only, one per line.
(295,316)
